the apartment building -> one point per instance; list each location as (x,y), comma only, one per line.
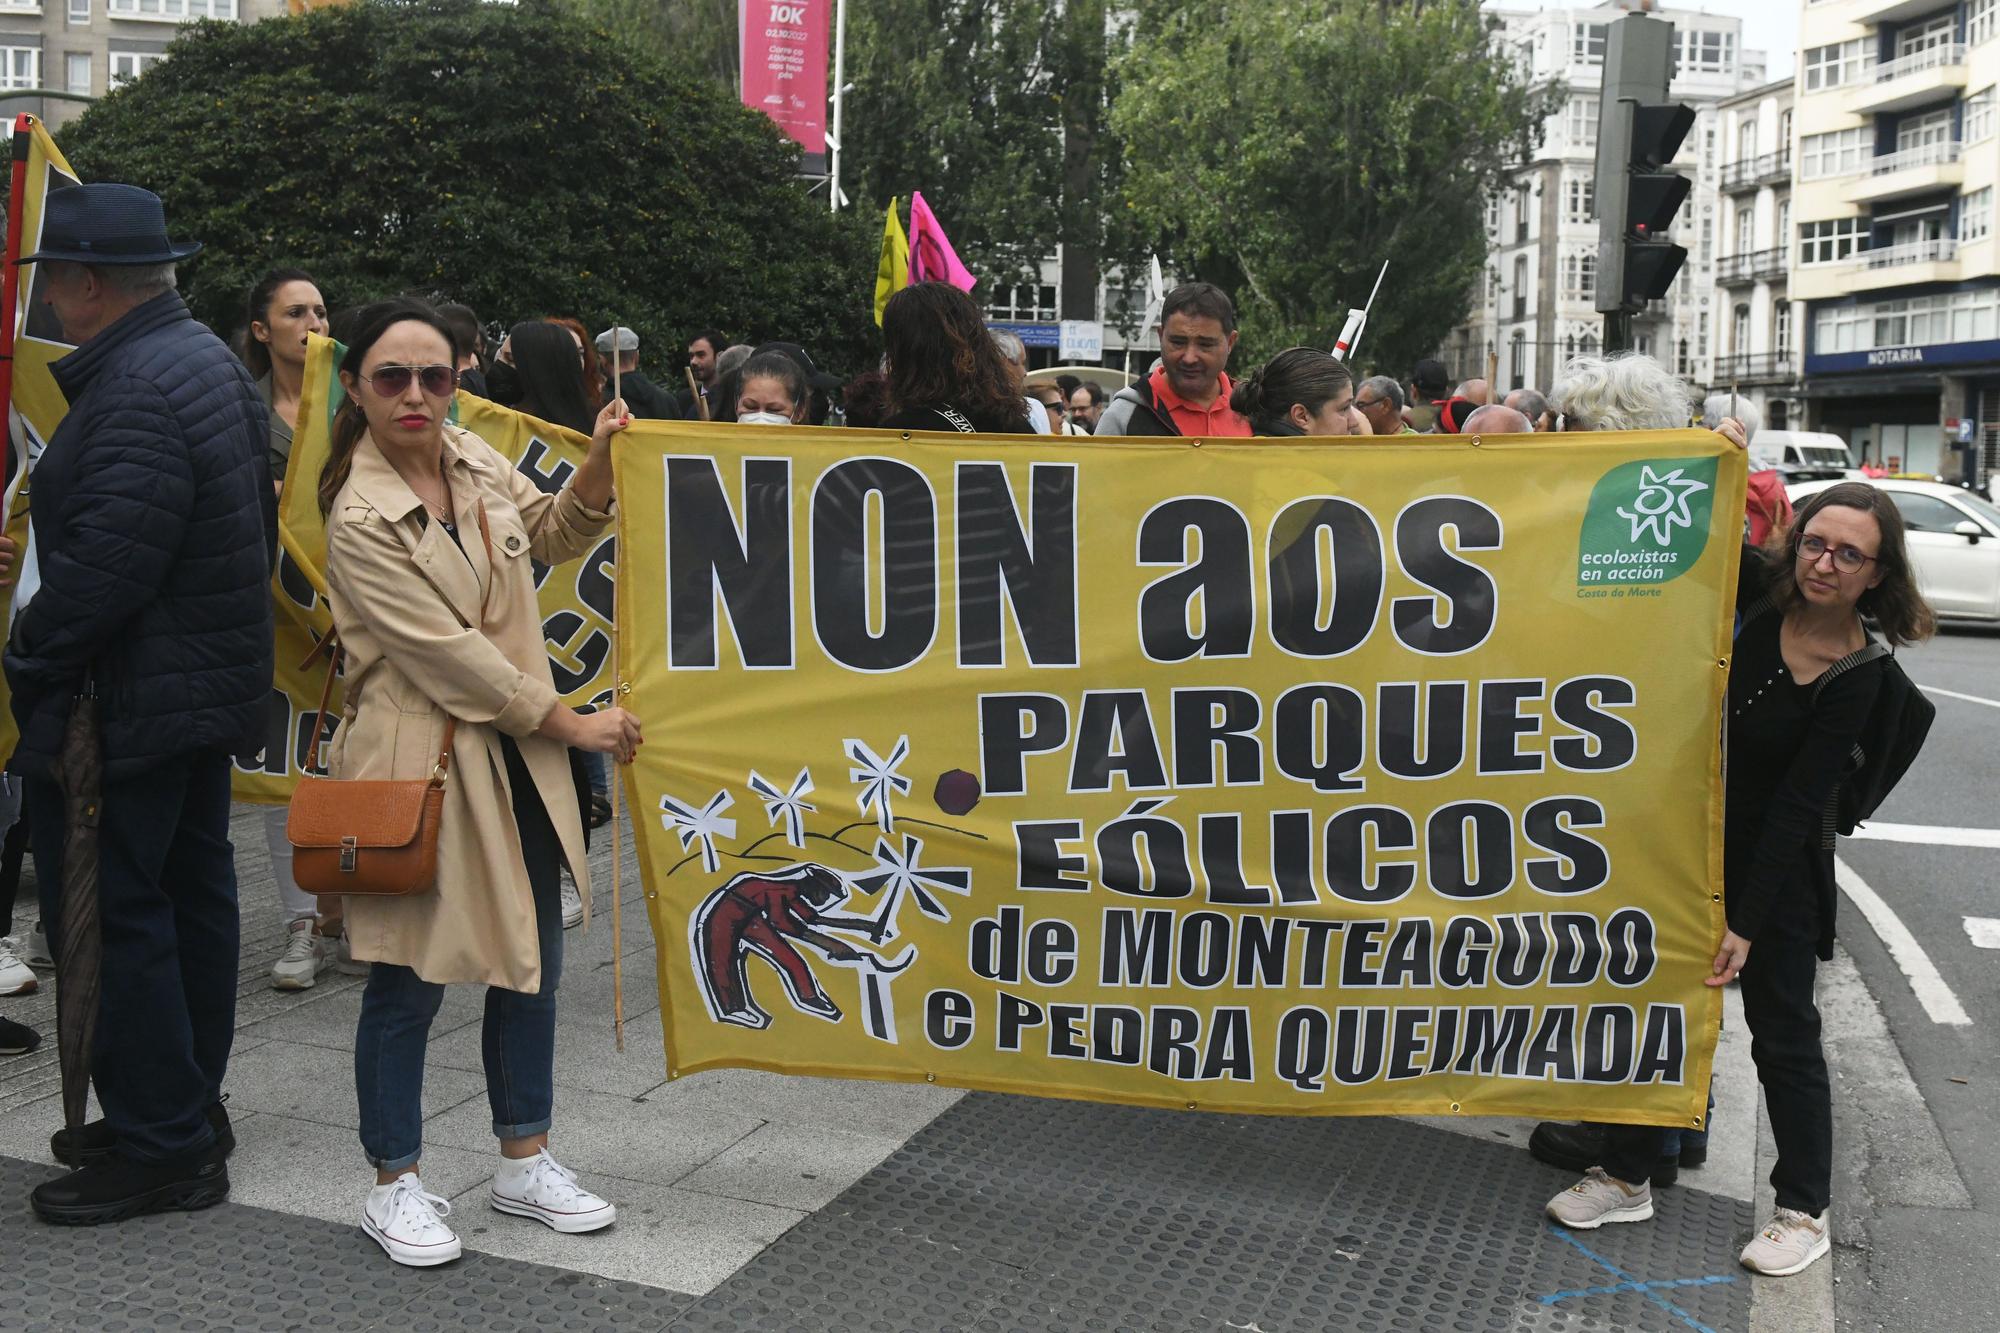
(1895,267)
(1758,351)
(88,47)
(1537,307)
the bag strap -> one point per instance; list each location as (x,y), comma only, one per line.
(1872,651)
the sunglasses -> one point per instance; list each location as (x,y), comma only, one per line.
(394,381)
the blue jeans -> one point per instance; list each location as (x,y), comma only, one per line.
(166,894)
(518,1034)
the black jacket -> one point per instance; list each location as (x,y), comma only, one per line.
(155,528)
(645,399)
(1136,410)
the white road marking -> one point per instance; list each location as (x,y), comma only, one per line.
(1954,694)
(1930,988)
(1932,835)
(1984,931)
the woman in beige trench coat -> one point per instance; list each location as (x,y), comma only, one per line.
(430,537)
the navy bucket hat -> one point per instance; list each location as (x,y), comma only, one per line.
(105,223)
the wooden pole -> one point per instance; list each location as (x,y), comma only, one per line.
(700,403)
(1492,374)
(617,783)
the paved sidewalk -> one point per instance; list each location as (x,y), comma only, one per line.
(752,1201)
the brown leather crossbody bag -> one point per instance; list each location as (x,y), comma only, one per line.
(358,836)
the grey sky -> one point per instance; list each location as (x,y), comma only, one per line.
(1771,26)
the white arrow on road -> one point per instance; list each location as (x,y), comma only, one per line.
(1931,991)
(1934,835)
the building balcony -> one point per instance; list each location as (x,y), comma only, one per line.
(1943,250)
(1912,80)
(1874,270)
(1913,171)
(1749,174)
(1748,369)
(1894,11)
(1753,266)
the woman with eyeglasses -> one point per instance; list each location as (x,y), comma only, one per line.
(1797,706)
(431,537)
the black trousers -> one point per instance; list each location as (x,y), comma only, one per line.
(167,904)
(1778,1005)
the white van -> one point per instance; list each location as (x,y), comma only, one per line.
(1802,448)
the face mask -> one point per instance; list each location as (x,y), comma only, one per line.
(763,419)
(503,384)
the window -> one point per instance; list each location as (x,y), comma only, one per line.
(1583,122)
(1034,304)
(1832,66)
(1784,222)
(1681,366)
(79,12)
(1587,44)
(1926,36)
(1707,250)
(1521,212)
(1781,329)
(1580,275)
(1746,140)
(1520,286)
(1975,215)
(1746,229)
(1839,153)
(1701,337)
(1925,131)
(1517,360)
(77,67)
(1979,20)
(1832,241)
(171,11)
(1979,115)
(1707,52)
(1926,513)
(23,67)
(1739,330)
(1581,199)
(1963,316)
(129,65)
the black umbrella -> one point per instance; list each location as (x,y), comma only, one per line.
(79,944)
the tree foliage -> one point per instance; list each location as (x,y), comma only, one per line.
(1284,150)
(524,159)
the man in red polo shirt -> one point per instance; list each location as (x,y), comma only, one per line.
(1188,392)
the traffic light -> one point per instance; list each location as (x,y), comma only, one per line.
(1653,194)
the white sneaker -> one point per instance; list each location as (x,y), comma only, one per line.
(572,901)
(304,958)
(38,954)
(540,1188)
(1597,1199)
(408,1223)
(1789,1243)
(16,977)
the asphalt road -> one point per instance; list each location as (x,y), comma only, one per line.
(1917,1216)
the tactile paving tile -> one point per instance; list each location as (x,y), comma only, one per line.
(1073,1216)
(234,1268)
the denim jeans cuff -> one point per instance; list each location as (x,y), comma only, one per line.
(402,1163)
(526,1130)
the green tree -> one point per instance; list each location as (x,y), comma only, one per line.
(1284,150)
(524,159)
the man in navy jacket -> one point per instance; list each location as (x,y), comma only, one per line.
(155,528)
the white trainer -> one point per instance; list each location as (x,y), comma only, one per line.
(1789,1243)
(572,901)
(1598,1198)
(407,1221)
(16,977)
(304,958)
(38,954)
(541,1188)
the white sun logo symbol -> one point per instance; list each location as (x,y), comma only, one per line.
(1661,505)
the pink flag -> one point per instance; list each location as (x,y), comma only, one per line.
(931,257)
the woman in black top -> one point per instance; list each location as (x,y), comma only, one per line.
(944,371)
(1797,706)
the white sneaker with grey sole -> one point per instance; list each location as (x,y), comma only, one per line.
(572,901)
(1598,1199)
(407,1221)
(305,956)
(1789,1243)
(541,1188)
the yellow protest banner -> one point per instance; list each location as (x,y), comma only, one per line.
(35,342)
(1305,778)
(575,600)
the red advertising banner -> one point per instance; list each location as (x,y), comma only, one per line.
(784,45)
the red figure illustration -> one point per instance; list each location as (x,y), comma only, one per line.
(763,912)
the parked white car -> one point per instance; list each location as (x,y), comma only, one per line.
(1954,542)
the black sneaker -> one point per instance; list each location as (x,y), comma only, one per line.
(117,1188)
(1579,1147)
(17,1038)
(95,1143)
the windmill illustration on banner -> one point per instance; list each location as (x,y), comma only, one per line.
(789,806)
(704,825)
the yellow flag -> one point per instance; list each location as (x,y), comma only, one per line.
(893,274)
